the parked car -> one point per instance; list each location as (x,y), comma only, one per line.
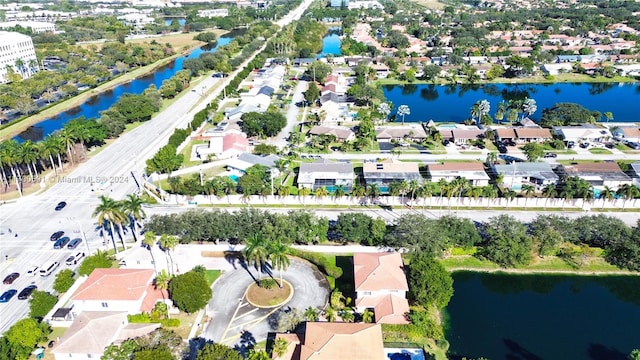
(61,243)
(633,145)
(584,145)
(56,235)
(74,243)
(550,155)
(26,292)
(33,270)
(502,149)
(73,259)
(11,278)
(609,146)
(571,144)
(7,295)
(61,205)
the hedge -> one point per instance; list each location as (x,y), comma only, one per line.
(146,318)
(324,263)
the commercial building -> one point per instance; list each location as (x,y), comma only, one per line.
(34,26)
(17,51)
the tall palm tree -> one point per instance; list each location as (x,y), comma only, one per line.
(150,241)
(566,194)
(132,207)
(304,192)
(280,347)
(321,193)
(403,187)
(425,191)
(255,252)
(627,192)
(29,154)
(490,192)
(339,193)
(330,314)
(607,194)
(68,140)
(527,190)
(277,253)
(49,148)
(403,110)
(529,107)
(509,195)
(10,155)
(109,212)
(358,191)
(412,188)
(394,190)
(161,282)
(373,192)
(549,192)
(168,244)
(475,192)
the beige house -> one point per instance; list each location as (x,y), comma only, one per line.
(340,132)
(381,285)
(333,341)
(398,133)
(531,134)
(384,173)
(598,175)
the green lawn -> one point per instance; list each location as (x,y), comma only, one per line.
(599,151)
(212,275)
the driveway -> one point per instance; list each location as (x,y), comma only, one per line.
(236,322)
(292,115)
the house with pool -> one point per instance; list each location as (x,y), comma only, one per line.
(598,175)
(326,173)
(381,174)
(516,174)
(472,171)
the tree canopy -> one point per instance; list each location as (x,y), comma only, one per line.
(190,291)
(568,114)
(429,282)
(508,244)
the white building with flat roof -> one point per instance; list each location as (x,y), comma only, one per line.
(17,51)
(35,26)
(209,13)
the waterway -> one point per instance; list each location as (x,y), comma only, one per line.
(550,317)
(92,107)
(452,103)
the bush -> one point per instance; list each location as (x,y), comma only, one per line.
(323,263)
(144,318)
(64,280)
(268,283)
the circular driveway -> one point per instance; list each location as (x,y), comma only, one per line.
(235,321)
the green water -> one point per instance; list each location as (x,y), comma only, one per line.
(533,317)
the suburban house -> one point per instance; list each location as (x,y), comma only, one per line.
(334,340)
(634,172)
(473,172)
(598,175)
(258,98)
(245,106)
(335,110)
(398,133)
(384,173)
(464,136)
(340,132)
(627,133)
(224,147)
(93,331)
(127,290)
(516,174)
(585,132)
(327,174)
(531,134)
(381,285)
(506,134)
(239,165)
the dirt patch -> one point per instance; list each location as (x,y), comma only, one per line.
(262,297)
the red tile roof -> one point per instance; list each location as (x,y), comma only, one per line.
(373,272)
(115,284)
(235,141)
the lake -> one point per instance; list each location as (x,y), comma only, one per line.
(550,317)
(452,103)
(331,42)
(92,107)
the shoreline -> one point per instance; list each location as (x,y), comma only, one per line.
(16,128)
(544,272)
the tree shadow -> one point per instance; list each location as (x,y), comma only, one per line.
(247,343)
(602,352)
(234,257)
(195,344)
(517,352)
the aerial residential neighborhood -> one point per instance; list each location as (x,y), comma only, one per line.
(320,179)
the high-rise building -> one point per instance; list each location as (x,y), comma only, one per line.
(17,52)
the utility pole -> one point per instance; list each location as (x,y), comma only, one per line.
(84,237)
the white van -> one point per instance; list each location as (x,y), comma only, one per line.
(47,268)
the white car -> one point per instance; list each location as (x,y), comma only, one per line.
(32,271)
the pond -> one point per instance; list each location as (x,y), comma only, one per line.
(331,42)
(503,316)
(452,103)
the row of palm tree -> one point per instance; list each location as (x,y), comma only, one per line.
(18,159)
(258,252)
(118,214)
(461,187)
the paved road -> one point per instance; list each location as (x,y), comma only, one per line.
(34,219)
(232,314)
(292,115)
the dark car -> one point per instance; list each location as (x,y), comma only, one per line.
(74,243)
(584,145)
(571,144)
(551,155)
(51,343)
(10,278)
(61,205)
(502,149)
(26,292)
(7,295)
(56,235)
(609,145)
(61,243)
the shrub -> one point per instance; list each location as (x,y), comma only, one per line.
(323,263)
(268,283)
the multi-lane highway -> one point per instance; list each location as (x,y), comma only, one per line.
(34,219)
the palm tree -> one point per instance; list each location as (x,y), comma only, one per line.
(280,347)
(358,191)
(607,194)
(566,194)
(412,188)
(492,158)
(425,191)
(168,243)
(527,190)
(403,110)
(627,192)
(608,115)
(339,193)
(529,107)
(321,193)
(475,192)
(48,148)
(549,192)
(68,140)
(347,315)
(109,212)
(304,192)
(509,195)
(277,253)
(161,282)
(149,241)
(311,314)
(394,190)
(384,109)
(10,155)
(29,153)
(132,207)
(330,314)
(373,192)
(255,252)
(490,192)
(367,316)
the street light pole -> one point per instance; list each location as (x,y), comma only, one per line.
(84,237)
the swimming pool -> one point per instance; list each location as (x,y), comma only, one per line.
(234,178)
